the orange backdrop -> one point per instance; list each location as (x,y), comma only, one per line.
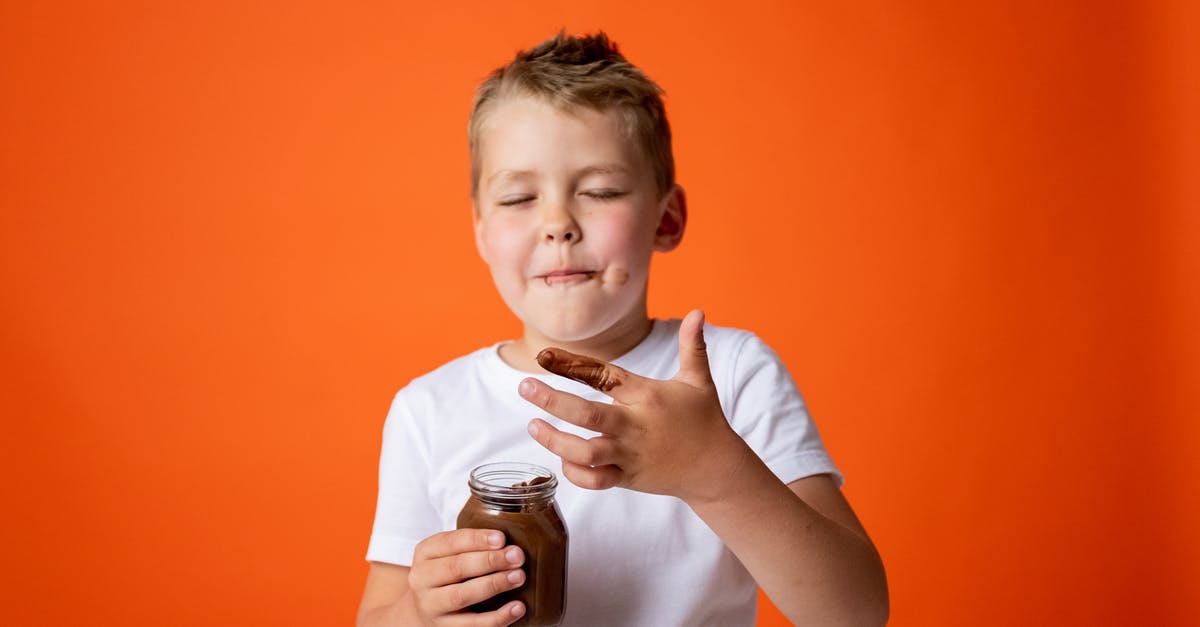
(232,230)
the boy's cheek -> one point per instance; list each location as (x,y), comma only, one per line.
(498,246)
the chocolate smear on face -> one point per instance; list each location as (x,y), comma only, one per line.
(615,276)
(590,372)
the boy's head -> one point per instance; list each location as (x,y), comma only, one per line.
(573,187)
(581,72)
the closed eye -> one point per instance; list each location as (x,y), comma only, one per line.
(604,194)
(514,200)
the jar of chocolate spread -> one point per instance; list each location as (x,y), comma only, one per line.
(518,500)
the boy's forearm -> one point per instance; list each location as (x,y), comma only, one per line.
(817,571)
(398,612)
(380,616)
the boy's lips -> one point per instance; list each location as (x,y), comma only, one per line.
(566,277)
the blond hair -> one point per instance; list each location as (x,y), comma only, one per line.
(585,71)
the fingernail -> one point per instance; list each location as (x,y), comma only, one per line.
(526,388)
(516,576)
(533,429)
(513,555)
(496,539)
(517,610)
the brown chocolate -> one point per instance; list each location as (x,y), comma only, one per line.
(531,482)
(586,370)
(537,527)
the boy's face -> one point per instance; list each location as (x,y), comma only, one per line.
(567,217)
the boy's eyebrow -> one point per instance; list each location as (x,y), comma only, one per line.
(604,168)
(509,174)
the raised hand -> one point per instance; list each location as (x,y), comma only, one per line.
(663,437)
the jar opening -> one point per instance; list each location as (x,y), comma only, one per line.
(512,483)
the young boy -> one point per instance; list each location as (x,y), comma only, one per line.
(694,473)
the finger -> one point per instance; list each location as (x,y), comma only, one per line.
(693,352)
(457,541)
(592,477)
(600,417)
(455,568)
(598,451)
(455,597)
(508,614)
(596,374)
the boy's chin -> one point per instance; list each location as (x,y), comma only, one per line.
(571,330)
(567,333)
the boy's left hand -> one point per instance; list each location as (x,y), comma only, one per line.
(662,437)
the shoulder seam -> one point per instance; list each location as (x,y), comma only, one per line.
(731,382)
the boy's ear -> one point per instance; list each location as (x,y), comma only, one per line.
(673,220)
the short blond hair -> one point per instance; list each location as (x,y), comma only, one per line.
(585,71)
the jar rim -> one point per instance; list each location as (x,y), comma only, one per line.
(504,481)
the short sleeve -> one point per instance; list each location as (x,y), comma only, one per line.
(404,515)
(769,413)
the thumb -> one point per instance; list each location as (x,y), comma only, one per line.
(693,353)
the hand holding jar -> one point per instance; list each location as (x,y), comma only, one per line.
(454,570)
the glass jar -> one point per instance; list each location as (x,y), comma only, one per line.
(518,500)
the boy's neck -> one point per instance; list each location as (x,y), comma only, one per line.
(609,345)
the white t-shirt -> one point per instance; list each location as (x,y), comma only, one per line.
(633,558)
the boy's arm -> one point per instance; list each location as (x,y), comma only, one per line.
(387,585)
(801,542)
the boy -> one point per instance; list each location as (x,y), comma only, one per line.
(693,472)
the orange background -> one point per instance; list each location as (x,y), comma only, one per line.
(231,231)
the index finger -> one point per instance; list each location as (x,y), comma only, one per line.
(587,414)
(449,543)
(598,375)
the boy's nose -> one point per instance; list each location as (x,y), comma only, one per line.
(560,226)
(561,233)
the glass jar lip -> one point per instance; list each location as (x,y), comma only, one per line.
(503,481)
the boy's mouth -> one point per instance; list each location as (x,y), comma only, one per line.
(566,277)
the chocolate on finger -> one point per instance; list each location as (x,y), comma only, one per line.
(586,370)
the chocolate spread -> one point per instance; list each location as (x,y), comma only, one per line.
(586,370)
(525,511)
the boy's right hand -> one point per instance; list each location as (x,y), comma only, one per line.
(453,570)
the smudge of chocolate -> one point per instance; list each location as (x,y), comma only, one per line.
(615,276)
(586,370)
(531,482)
